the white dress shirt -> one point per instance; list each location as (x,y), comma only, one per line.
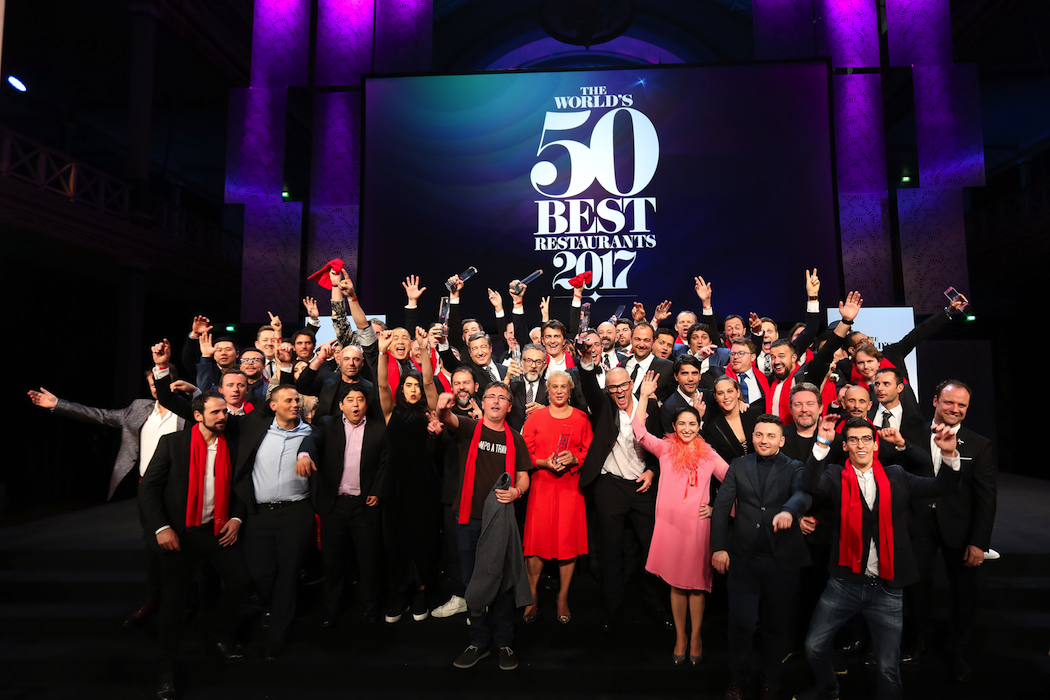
(158,424)
(643,367)
(895,414)
(627,457)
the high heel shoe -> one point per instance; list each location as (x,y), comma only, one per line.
(695,660)
(529,617)
(678,659)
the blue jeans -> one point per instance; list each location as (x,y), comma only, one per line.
(882,607)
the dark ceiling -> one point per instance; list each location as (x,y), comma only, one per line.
(75,59)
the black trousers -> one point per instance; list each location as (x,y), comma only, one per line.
(451,560)
(926,540)
(618,502)
(275,541)
(350,522)
(759,589)
(199,544)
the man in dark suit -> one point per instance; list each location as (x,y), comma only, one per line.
(527,385)
(643,360)
(742,368)
(959,525)
(872,557)
(351,366)
(700,345)
(349,452)
(762,552)
(623,476)
(192,515)
(687,374)
(890,410)
(479,361)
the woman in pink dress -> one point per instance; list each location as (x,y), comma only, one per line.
(680,552)
(558,437)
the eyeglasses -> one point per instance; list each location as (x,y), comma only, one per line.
(251,361)
(496,397)
(618,388)
(527,361)
(860,439)
(738,353)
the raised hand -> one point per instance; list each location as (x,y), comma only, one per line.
(311,308)
(496,300)
(517,294)
(849,309)
(638,312)
(755,322)
(826,429)
(545,308)
(648,385)
(334,277)
(275,321)
(434,424)
(200,324)
(207,349)
(663,310)
(412,289)
(422,339)
(445,402)
(945,439)
(183,386)
(958,304)
(892,436)
(346,286)
(706,351)
(324,351)
(513,370)
(285,352)
(456,285)
(703,290)
(386,339)
(43,398)
(162,352)
(812,283)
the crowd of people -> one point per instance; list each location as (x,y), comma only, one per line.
(441,469)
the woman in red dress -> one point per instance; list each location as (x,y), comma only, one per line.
(558,437)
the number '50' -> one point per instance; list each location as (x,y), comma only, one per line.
(597,161)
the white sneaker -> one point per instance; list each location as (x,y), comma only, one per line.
(991,554)
(454,606)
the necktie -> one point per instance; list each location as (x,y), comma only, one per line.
(886,419)
(634,372)
(743,387)
(269,368)
(605,363)
(768,364)
(493,375)
(530,393)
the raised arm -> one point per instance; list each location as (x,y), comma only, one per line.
(429,389)
(386,395)
(649,441)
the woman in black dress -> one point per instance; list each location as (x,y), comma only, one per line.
(728,423)
(412,508)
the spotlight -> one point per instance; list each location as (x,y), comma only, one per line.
(285,195)
(971,318)
(16,83)
(905,178)
(231,329)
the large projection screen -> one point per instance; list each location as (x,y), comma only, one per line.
(646,177)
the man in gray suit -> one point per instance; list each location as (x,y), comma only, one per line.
(766,548)
(141,424)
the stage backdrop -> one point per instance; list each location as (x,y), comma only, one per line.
(646,177)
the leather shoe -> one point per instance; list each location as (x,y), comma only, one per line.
(869,658)
(662,617)
(914,656)
(371,614)
(166,688)
(961,670)
(230,653)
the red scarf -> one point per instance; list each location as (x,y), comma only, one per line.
(393,374)
(806,357)
(467,496)
(569,364)
(829,394)
(784,409)
(857,380)
(852,550)
(198,468)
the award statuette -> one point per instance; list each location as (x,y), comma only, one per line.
(463,276)
(518,285)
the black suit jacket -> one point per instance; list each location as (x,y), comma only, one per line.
(665,381)
(605,424)
(897,352)
(670,408)
(782,491)
(720,436)
(164,490)
(326,445)
(965,517)
(516,417)
(825,483)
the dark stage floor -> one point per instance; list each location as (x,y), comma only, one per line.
(67,582)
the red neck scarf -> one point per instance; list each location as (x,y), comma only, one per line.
(569,364)
(466,498)
(783,411)
(393,374)
(806,357)
(857,380)
(198,469)
(852,550)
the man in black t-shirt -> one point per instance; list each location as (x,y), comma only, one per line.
(487,449)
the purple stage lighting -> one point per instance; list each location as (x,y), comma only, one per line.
(851,32)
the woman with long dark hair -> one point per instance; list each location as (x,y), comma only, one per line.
(412,508)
